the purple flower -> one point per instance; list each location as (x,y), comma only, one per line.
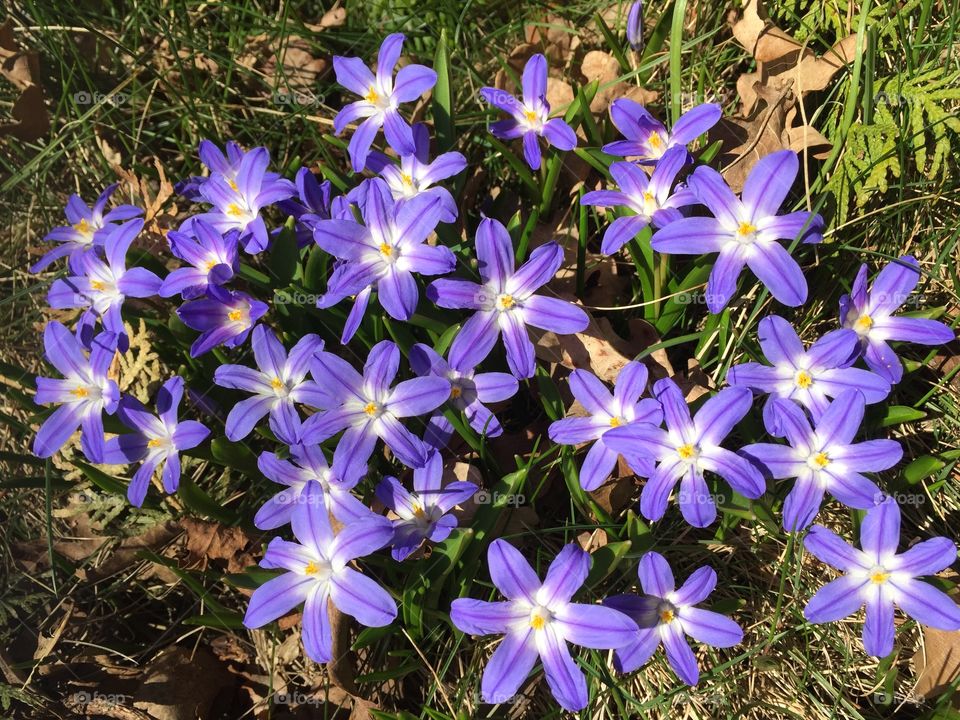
(87,229)
(869,314)
(607,411)
(531,115)
(380,98)
(308,465)
(237,201)
(468,393)
(667,615)
(383,254)
(213,158)
(213,258)
(878,577)
(824,459)
(646,137)
(277,386)
(314,203)
(157,440)
(635,25)
(83,394)
(102,286)
(368,408)
(506,302)
(538,620)
(746,231)
(647,199)
(416,174)
(223,318)
(687,448)
(808,376)
(318,572)
(424,513)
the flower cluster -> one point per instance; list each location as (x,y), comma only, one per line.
(378,240)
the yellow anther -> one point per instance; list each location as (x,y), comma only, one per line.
(666,616)
(804,380)
(616,421)
(537,622)
(154,442)
(211,264)
(83,227)
(655,140)
(371,408)
(386,250)
(455,391)
(98,284)
(418,512)
(233,185)
(80,392)
(686,452)
(234,209)
(863,323)
(312,568)
(878,577)
(746,228)
(235,315)
(372,96)
(407,180)
(277,384)
(505,302)
(821,460)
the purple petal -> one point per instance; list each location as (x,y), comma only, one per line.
(539,269)
(722,283)
(353,74)
(644,644)
(495,386)
(408,448)
(712,190)
(768,183)
(457,294)
(656,491)
(245,415)
(779,341)
(360,142)
(656,577)
(57,429)
(878,629)
(621,231)
(418,396)
(566,680)
(475,340)
(926,558)
(509,666)
(316,629)
(802,503)
(695,122)
(398,293)
(830,548)
(775,268)
(691,236)
(559,134)
(519,347)
(697,587)
(554,314)
(478,617)
(494,252)
(511,573)
(595,626)
(675,410)
(566,574)
(718,415)
(362,598)
(310,521)
(412,82)
(893,285)
(531,150)
(277,597)
(597,466)
(916,330)
(836,600)
(679,654)
(710,628)
(927,605)
(696,503)
(534,81)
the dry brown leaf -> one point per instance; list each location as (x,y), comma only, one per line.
(206,541)
(334,17)
(604,68)
(617,494)
(21,67)
(182,684)
(557,38)
(559,94)
(592,541)
(30,113)
(296,67)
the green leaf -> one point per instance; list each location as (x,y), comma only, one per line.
(284,254)
(442,103)
(103,481)
(921,468)
(234,455)
(899,414)
(606,560)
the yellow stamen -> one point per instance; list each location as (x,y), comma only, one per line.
(312,568)
(234,209)
(863,323)
(505,302)
(83,227)
(233,185)
(804,380)
(537,622)
(211,264)
(372,96)
(97,284)
(235,315)
(407,180)
(821,460)
(879,576)
(154,443)
(655,140)
(686,451)
(455,391)
(80,392)
(276,384)
(371,409)
(386,250)
(616,421)
(746,229)
(418,512)
(666,616)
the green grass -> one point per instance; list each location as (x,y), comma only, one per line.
(178,73)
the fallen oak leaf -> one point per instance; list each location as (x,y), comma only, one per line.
(20,67)
(30,113)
